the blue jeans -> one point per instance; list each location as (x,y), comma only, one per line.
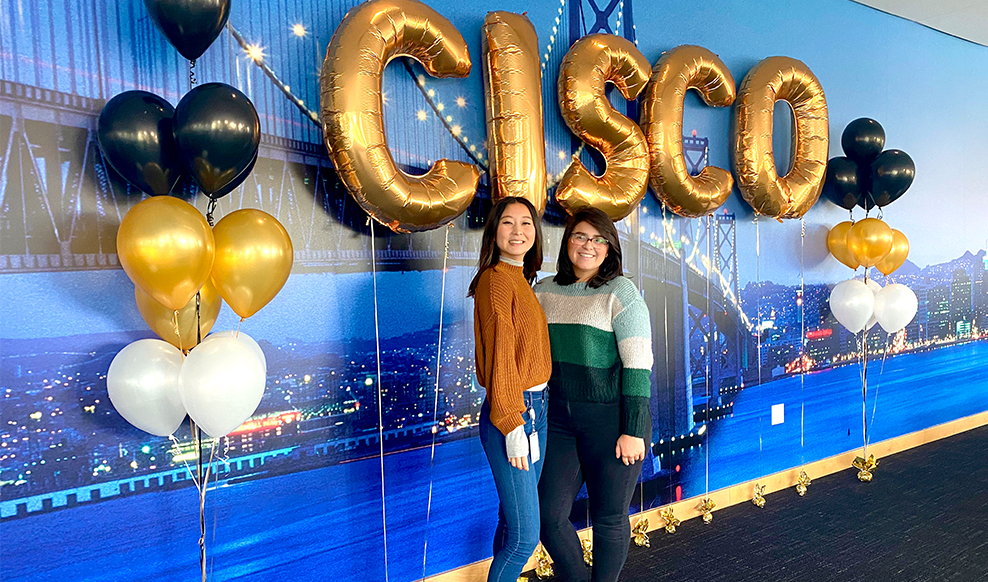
(517,533)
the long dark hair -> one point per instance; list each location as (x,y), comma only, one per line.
(490,254)
(610,268)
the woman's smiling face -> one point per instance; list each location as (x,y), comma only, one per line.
(587,250)
(515,232)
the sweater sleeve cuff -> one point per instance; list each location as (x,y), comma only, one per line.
(516,442)
(508,423)
(636,420)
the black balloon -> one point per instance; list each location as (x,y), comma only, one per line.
(217,131)
(190,25)
(842,186)
(236,181)
(891,175)
(862,140)
(134,131)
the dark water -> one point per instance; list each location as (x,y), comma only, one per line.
(316,524)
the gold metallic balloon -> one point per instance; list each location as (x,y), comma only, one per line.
(897,255)
(166,248)
(513,104)
(161,319)
(370,35)
(679,70)
(780,79)
(869,241)
(837,244)
(592,62)
(254,257)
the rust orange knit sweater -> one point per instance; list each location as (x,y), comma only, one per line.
(512,342)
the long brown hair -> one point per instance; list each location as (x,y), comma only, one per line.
(490,254)
(610,268)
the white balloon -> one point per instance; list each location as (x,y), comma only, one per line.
(875,288)
(239,335)
(895,307)
(221,383)
(142,384)
(853,304)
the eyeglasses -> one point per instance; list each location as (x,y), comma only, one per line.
(581,239)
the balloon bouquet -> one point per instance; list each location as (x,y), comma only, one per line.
(869,177)
(182,265)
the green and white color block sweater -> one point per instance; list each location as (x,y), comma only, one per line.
(601,343)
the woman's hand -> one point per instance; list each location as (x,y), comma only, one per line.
(630,449)
(520,462)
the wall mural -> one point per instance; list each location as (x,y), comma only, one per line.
(362,459)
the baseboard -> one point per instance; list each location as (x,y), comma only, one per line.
(687,509)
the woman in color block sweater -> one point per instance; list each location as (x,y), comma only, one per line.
(513,365)
(599,418)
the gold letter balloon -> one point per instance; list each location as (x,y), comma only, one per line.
(592,62)
(679,70)
(780,79)
(254,257)
(370,35)
(513,104)
(166,248)
(182,333)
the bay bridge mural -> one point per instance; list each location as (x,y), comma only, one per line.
(69,464)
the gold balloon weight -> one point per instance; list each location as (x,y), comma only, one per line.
(706,507)
(587,551)
(759,498)
(640,535)
(802,483)
(670,519)
(543,567)
(865,467)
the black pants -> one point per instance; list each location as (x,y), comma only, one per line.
(580,448)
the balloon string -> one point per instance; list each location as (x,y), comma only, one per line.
(802,336)
(192,74)
(380,413)
(864,384)
(210,207)
(758,280)
(435,404)
(874,404)
(178,332)
(864,393)
(710,340)
(200,485)
(666,228)
(178,444)
(758,320)
(202,507)
(198,321)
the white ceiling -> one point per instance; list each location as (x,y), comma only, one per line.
(967,19)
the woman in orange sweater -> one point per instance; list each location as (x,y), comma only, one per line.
(513,365)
